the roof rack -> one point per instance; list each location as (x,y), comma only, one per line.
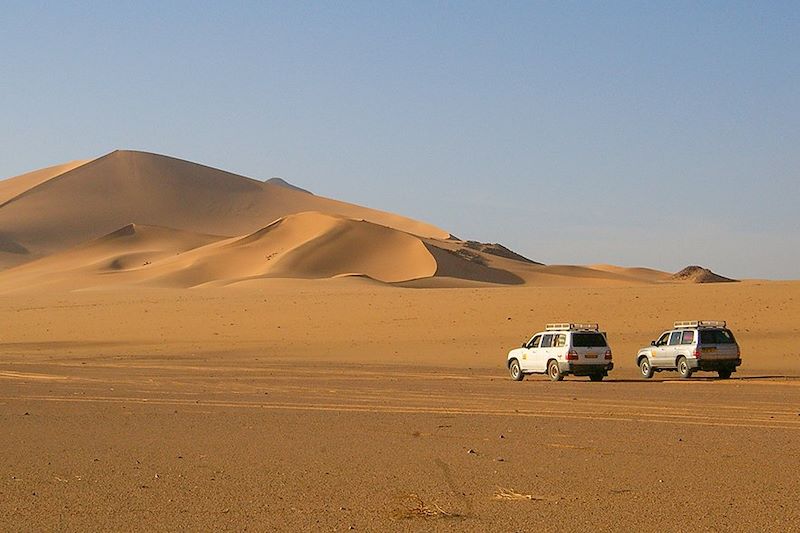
(700,324)
(560,326)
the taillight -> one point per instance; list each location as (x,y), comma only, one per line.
(572,355)
(696,353)
(608,355)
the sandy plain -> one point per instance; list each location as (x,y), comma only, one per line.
(346,405)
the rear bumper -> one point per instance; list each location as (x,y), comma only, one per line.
(717,364)
(568,367)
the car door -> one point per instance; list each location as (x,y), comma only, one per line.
(543,353)
(658,355)
(672,348)
(528,358)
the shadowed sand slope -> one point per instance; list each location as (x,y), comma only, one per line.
(465,264)
(12,187)
(53,209)
(12,252)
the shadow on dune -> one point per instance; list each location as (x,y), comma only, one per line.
(12,247)
(454,265)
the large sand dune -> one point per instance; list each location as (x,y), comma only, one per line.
(53,209)
(135,218)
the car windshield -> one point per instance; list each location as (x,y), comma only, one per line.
(716,336)
(585,340)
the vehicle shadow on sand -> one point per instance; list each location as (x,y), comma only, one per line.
(703,379)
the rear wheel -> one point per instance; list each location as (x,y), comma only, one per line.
(515,370)
(554,372)
(724,374)
(683,368)
(596,377)
(645,368)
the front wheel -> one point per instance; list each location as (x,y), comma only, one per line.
(724,374)
(554,372)
(683,368)
(515,370)
(645,368)
(596,377)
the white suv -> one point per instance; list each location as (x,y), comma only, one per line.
(690,346)
(563,348)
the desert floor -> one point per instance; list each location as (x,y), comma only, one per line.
(334,405)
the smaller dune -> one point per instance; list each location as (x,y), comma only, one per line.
(121,254)
(640,273)
(698,274)
(307,245)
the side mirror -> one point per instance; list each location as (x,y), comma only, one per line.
(524,345)
(652,343)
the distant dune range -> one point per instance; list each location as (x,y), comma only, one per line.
(135,218)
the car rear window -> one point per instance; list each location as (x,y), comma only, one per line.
(585,340)
(688,337)
(716,336)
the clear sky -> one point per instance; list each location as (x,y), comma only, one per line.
(654,134)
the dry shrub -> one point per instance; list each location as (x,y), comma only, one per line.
(512,495)
(417,508)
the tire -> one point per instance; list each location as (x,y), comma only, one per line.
(724,374)
(684,371)
(596,377)
(645,368)
(515,370)
(553,372)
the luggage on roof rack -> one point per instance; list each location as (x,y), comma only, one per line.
(561,326)
(699,324)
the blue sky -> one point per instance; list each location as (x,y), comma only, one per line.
(634,133)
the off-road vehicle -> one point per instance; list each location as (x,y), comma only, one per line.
(690,346)
(562,349)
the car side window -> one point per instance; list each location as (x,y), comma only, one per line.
(561,340)
(675,338)
(662,341)
(535,342)
(688,337)
(547,341)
